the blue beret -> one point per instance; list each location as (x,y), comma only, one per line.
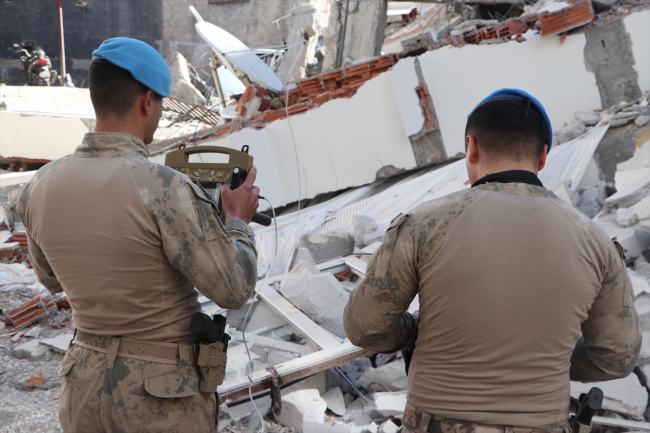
(520,94)
(140,59)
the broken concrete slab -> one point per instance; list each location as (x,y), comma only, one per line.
(59,343)
(244,413)
(588,118)
(642,266)
(321,297)
(327,246)
(626,396)
(626,217)
(642,208)
(363,225)
(563,192)
(644,355)
(297,255)
(571,131)
(391,403)
(641,120)
(182,87)
(390,376)
(631,179)
(388,427)
(30,349)
(634,239)
(640,283)
(35,332)
(642,306)
(300,408)
(335,401)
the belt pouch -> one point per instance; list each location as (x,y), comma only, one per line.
(212,364)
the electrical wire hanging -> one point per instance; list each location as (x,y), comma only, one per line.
(248,368)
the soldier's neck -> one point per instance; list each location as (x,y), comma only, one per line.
(113,124)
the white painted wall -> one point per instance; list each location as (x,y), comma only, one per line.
(39,137)
(405,80)
(552,72)
(638,26)
(340,144)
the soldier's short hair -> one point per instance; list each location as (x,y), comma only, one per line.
(113,90)
(510,128)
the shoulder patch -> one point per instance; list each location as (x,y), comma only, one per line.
(619,248)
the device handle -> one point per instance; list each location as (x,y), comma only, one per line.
(261,219)
(181,158)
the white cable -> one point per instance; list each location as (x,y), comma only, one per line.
(248,368)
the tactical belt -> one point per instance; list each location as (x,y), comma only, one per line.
(427,423)
(166,353)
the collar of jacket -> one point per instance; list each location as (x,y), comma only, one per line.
(511,176)
(110,145)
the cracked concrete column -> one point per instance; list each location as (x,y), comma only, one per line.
(608,54)
(428,146)
(363,35)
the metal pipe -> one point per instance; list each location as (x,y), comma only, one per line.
(61,41)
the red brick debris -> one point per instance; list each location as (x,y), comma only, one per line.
(32,310)
(576,15)
(307,95)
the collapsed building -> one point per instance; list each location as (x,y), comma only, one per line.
(340,153)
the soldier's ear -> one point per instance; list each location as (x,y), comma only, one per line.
(472,153)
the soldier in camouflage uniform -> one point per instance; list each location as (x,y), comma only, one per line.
(508,277)
(128,241)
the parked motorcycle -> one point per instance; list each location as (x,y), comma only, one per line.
(37,68)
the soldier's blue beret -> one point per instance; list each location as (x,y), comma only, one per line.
(520,94)
(140,59)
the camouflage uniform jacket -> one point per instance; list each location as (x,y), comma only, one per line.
(128,240)
(508,276)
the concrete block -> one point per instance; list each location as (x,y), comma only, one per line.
(35,332)
(300,408)
(59,343)
(388,427)
(297,255)
(626,217)
(588,118)
(626,396)
(321,297)
(642,208)
(391,376)
(634,239)
(640,283)
(642,266)
(644,355)
(336,402)
(348,398)
(563,192)
(327,246)
(391,403)
(370,428)
(572,131)
(182,86)
(25,350)
(642,307)
(363,225)
(641,120)
(244,413)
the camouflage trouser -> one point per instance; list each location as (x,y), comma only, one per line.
(131,395)
(417,421)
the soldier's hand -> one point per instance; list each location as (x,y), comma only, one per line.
(242,202)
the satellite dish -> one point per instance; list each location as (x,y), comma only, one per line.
(235,55)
